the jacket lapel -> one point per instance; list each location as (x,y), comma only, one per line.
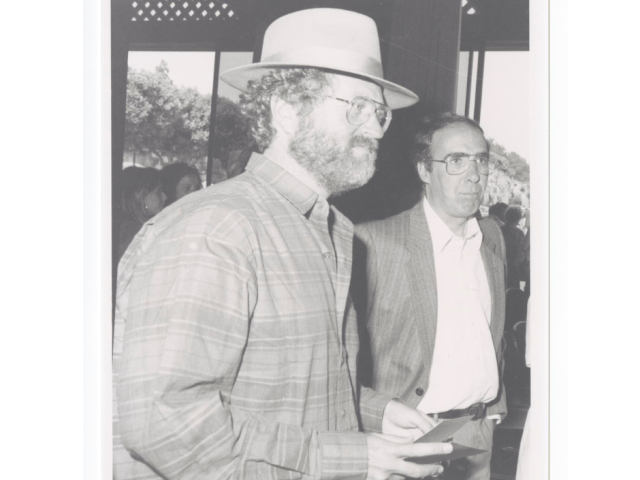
(421,272)
(493,265)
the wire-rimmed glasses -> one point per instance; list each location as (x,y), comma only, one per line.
(458,163)
(361,108)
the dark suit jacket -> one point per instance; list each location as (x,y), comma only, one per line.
(394,293)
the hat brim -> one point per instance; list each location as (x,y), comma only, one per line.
(395,95)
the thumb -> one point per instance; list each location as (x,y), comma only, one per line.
(423,422)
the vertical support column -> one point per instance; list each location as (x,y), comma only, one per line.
(467,100)
(480,76)
(119,61)
(212,118)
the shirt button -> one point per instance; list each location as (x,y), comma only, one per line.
(419,392)
(327,256)
(343,412)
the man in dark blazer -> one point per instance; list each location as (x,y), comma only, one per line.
(428,288)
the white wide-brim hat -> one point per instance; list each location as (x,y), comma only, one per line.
(328,38)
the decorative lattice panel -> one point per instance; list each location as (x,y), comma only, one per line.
(469,7)
(179,10)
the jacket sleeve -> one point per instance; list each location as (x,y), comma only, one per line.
(363,286)
(499,407)
(178,368)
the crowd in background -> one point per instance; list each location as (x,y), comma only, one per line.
(515,226)
(146,191)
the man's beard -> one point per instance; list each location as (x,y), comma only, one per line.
(333,160)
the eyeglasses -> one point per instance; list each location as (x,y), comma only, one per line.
(361,108)
(458,163)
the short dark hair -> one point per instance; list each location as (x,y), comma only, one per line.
(513,215)
(301,87)
(171,175)
(498,209)
(421,152)
(136,184)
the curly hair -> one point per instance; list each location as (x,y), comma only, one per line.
(301,87)
(421,152)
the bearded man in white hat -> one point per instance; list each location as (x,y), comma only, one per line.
(233,355)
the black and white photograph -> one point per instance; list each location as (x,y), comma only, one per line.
(304,239)
(321,254)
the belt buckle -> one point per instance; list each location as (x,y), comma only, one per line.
(478,410)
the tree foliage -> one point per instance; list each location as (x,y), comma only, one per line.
(510,182)
(166,123)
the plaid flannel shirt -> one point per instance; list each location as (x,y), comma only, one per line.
(233,355)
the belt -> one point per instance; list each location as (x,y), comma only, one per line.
(478,411)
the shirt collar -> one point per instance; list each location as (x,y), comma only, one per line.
(441,234)
(287,185)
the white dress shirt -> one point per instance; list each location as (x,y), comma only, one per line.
(464,369)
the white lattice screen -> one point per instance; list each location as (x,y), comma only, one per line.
(183,10)
(469,7)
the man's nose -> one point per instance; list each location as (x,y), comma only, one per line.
(473,175)
(372,128)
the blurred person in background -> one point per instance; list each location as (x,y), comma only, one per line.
(514,241)
(178,180)
(141,198)
(496,212)
(526,246)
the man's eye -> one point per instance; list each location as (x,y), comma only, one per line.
(455,160)
(482,160)
(360,105)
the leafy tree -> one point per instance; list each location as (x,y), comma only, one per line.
(497,148)
(511,162)
(166,123)
(510,182)
(232,131)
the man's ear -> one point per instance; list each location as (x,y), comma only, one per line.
(285,116)
(425,175)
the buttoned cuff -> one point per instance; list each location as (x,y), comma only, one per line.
(372,405)
(497,418)
(343,456)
